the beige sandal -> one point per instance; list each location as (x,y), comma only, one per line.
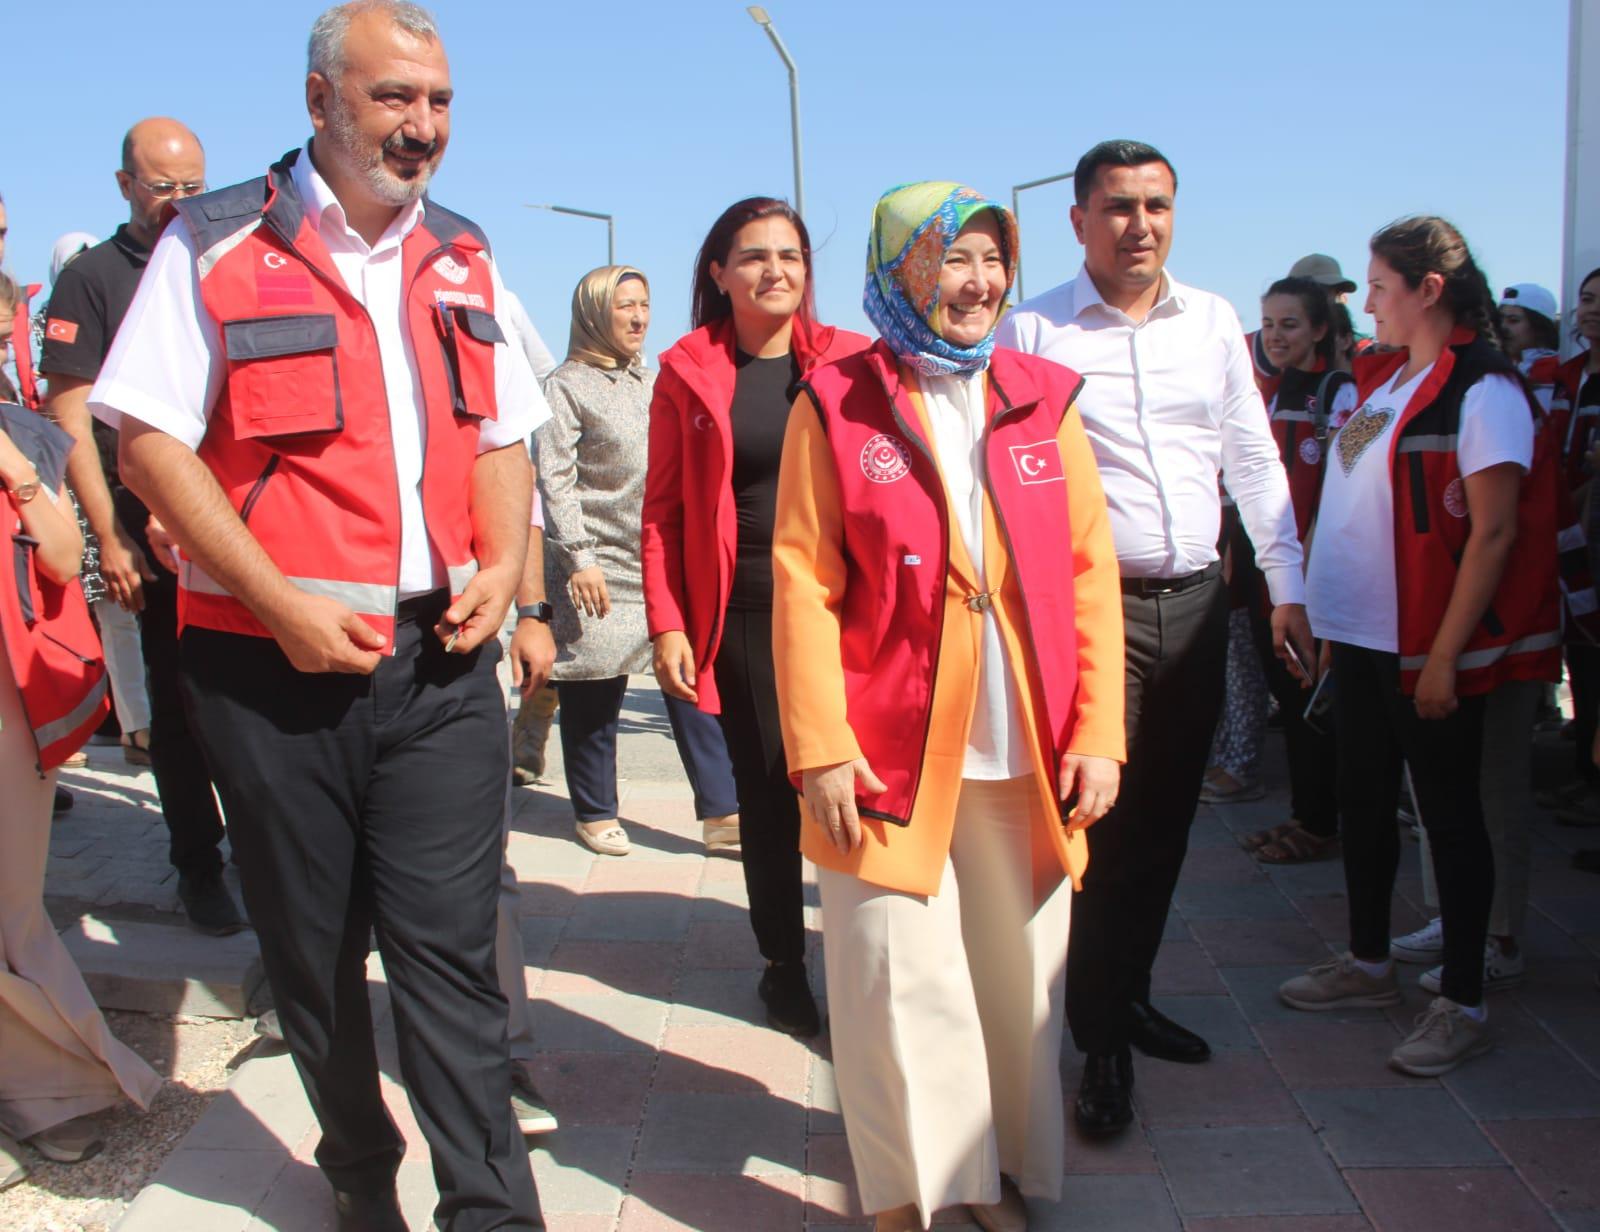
(71,1143)
(721,833)
(612,841)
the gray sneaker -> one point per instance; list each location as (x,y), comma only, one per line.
(1339,984)
(1443,1039)
(533,1114)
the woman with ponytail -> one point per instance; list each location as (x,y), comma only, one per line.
(1432,581)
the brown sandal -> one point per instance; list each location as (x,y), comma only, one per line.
(1261,838)
(1298,846)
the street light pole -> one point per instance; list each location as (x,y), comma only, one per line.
(759,16)
(1016,211)
(608,219)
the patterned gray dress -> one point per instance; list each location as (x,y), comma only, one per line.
(592,457)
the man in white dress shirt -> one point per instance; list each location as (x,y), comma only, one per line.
(1169,403)
(316,398)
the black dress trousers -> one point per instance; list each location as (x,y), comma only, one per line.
(1177,648)
(377,802)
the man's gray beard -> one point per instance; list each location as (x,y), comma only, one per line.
(368,164)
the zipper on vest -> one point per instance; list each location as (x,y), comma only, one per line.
(258,487)
(939,605)
(337,286)
(1005,531)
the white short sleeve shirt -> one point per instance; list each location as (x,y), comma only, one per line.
(166,366)
(1351,593)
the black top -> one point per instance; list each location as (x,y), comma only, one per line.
(86,307)
(1589,391)
(762,392)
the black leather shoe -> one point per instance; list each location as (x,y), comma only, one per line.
(1105,1096)
(1156,1035)
(209,906)
(790,1006)
(369,1212)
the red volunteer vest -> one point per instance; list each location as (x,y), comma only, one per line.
(1567,433)
(49,640)
(1300,426)
(299,438)
(897,548)
(1519,636)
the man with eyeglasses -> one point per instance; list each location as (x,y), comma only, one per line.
(161,162)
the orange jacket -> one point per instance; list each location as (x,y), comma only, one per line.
(809,573)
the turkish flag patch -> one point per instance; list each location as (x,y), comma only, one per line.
(58,330)
(1038,463)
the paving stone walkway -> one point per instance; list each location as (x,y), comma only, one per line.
(680,1110)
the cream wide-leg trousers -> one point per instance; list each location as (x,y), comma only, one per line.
(945,1015)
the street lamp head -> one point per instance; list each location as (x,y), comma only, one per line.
(759,15)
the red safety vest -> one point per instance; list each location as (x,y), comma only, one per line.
(1300,426)
(897,544)
(22,350)
(1519,636)
(49,640)
(299,438)
(1568,434)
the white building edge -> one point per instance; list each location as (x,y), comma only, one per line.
(1580,239)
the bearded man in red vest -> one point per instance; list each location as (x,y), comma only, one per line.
(316,399)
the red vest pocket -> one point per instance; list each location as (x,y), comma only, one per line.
(469,337)
(283,375)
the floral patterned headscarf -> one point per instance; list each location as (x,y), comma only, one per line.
(913,228)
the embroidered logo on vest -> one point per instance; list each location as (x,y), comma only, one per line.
(448,268)
(1310,451)
(885,459)
(1039,462)
(1455,499)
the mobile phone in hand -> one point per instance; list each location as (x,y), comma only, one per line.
(1299,664)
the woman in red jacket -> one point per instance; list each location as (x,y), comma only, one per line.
(717,421)
(59,1062)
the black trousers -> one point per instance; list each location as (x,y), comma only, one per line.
(1378,728)
(1312,755)
(769,809)
(1583,673)
(1177,647)
(590,710)
(183,781)
(377,802)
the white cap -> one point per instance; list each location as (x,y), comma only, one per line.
(67,247)
(1531,296)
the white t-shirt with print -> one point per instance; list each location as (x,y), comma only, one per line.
(1351,595)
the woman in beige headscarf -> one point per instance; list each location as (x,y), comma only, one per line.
(592,457)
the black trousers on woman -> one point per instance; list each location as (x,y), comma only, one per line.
(1312,756)
(1377,728)
(769,809)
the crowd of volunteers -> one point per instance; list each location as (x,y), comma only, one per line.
(969,616)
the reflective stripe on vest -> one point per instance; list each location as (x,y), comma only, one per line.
(58,729)
(1489,654)
(368,598)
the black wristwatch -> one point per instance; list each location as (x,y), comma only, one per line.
(540,611)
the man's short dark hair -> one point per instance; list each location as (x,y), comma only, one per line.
(1115,154)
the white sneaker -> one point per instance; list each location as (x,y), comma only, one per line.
(1500,970)
(1426,945)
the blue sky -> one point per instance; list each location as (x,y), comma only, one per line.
(1293,127)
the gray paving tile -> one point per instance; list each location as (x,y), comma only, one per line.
(712,997)
(1258,901)
(686,1132)
(1252,1170)
(1107,1204)
(616,1022)
(1578,1221)
(1377,1128)
(198,1189)
(164,968)
(629,917)
(1216,1019)
(583,1170)
(1525,1082)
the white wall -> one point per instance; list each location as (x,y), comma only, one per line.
(1580,248)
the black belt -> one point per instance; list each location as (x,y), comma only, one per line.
(1170,586)
(424,608)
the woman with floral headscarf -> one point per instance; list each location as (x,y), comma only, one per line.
(948,647)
